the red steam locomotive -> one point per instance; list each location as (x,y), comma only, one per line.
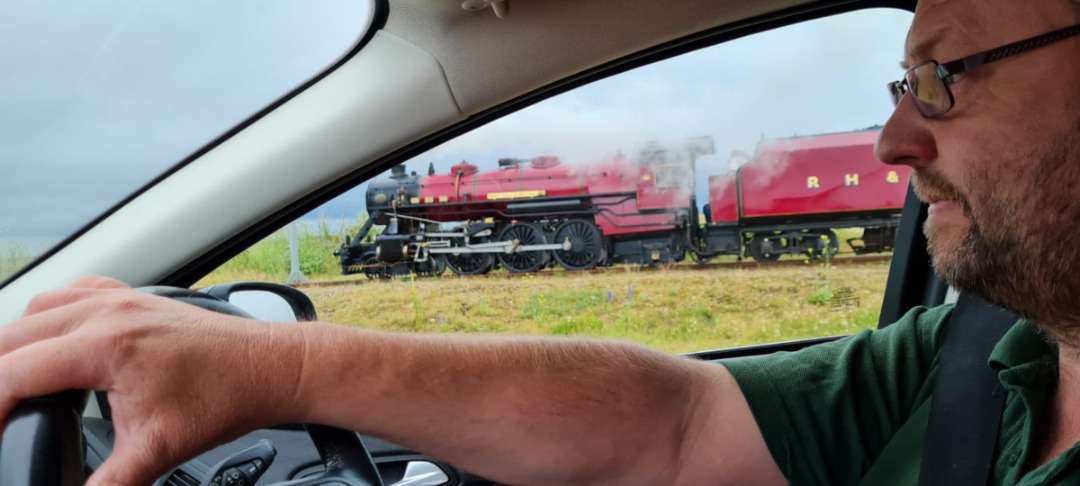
(528,214)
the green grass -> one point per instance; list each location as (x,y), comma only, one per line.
(675,311)
(268,260)
(12,258)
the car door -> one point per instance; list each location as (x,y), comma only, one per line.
(382,255)
(644,288)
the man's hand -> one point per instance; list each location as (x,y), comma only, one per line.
(179,379)
(516,410)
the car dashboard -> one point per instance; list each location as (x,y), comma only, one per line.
(296,458)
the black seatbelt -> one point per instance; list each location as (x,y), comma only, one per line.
(968,400)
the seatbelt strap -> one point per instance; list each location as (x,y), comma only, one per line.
(968,399)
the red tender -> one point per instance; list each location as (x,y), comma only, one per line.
(823,175)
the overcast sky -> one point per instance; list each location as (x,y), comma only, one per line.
(98,97)
(823,76)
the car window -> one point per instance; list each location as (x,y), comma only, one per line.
(99,98)
(722,198)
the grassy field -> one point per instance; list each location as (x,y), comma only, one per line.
(675,311)
(268,260)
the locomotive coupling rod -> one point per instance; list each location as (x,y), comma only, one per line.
(501,247)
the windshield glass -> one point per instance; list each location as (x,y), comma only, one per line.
(98,98)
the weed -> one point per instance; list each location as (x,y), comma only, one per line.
(821,297)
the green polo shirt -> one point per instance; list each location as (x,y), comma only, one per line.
(854,411)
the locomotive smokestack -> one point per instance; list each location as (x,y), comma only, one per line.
(398,172)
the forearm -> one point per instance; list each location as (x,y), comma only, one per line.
(520,410)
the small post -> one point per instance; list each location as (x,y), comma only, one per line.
(295,275)
(630,293)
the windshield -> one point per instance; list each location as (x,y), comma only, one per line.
(98,98)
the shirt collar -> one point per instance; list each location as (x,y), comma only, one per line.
(1022,344)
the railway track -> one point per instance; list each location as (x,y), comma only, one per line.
(681,267)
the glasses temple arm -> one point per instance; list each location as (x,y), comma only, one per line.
(975,60)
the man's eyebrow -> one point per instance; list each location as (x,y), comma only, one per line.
(922,47)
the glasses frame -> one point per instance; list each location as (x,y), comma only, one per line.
(946,73)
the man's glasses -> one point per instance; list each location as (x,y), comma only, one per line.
(930,81)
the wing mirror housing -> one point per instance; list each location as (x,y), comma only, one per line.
(266,301)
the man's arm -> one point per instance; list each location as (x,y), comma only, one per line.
(518,410)
(539,411)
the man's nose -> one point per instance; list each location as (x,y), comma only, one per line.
(906,138)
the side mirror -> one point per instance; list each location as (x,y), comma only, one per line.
(266,301)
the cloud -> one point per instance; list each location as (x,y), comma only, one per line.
(97,98)
(823,76)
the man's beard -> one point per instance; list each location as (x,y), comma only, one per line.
(1022,245)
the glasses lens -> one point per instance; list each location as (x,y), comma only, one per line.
(930,93)
(896,92)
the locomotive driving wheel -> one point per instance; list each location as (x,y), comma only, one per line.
(371,267)
(523,234)
(586,245)
(435,266)
(470,263)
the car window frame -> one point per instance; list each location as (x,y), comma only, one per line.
(908,284)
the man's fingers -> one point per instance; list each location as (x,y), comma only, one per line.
(46,301)
(98,282)
(44,368)
(50,366)
(80,289)
(43,325)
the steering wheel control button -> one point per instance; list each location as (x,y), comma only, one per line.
(243,468)
(233,477)
(250,469)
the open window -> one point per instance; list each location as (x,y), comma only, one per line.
(728,197)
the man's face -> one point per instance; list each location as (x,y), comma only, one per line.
(1001,170)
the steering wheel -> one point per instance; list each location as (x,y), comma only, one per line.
(42,444)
